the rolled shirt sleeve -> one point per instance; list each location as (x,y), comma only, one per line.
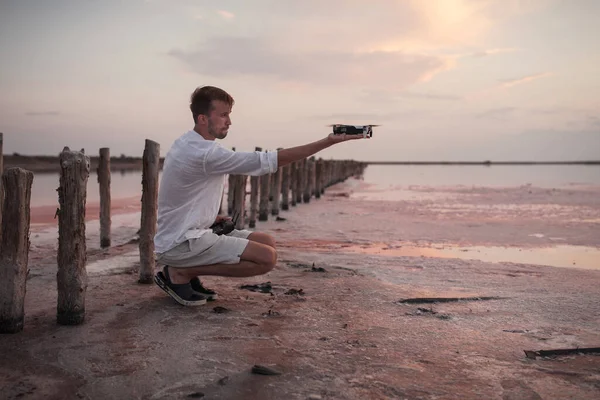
(224,161)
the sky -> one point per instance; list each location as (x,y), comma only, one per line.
(446,79)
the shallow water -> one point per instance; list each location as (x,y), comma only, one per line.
(565,256)
(386,176)
(391,182)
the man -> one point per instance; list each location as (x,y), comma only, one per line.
(189,197)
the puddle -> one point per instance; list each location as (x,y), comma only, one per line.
(401,194)
(564,256)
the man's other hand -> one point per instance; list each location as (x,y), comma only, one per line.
(221,218)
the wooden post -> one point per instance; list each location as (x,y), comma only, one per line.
(263,206)
(306,181)
(326,174)
(14,248)
(312,184)
(1,184)
(230,190)
(325,180)
(293,182)
(240,200)
(103,172)
(71,277)
(276,190)
(285,188)
(319,178)
(300,180)
(150,169)
(254,190)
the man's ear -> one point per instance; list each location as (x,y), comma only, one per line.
(202,119)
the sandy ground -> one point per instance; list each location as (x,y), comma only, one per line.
(346,335)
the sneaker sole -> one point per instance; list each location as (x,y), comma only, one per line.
(163,285)
(210,297)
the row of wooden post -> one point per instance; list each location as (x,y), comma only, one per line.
(289,185)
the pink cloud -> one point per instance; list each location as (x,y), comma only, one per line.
(514,82)
(226,14)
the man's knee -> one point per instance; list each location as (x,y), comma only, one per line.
(268,259)
(264,256)
(262,238)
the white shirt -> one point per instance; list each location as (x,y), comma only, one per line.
(192,182)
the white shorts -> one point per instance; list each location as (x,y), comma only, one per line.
(207,250)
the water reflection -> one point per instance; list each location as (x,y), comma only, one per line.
(482,175)
(396,178)
(565,256)
(124,183)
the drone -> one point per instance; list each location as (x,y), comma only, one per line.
(364,130)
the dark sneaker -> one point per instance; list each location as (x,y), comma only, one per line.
(198,287)
(181,293)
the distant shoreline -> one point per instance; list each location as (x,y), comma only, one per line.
(123,163)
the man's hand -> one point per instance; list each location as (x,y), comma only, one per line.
(343,137)
(221,218)
(289,155)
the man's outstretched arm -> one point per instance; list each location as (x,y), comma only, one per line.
(289,155)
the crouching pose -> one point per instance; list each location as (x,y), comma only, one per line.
(189,198)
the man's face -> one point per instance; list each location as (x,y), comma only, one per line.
(219,119)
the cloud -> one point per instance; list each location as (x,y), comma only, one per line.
(356,118)
(557,110)
(489,52)
(504,84)
(389,96)
(501,113)
(42,113)
(428,96)
(412,26)
(237,56)
(519,81)
(226,14)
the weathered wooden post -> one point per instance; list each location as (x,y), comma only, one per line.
(306,181)
(239,195)
(230,190)
(325,181)
(71,277)
(276,189)
(312,176)
(285,187)
(14,248)
(293,182)
(254,190)
(319,178)
(103,172)
(263,206)
(150,169)
(327,175)
(1,184)
(300,180)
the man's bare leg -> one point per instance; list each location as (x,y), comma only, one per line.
(262,238)
(257,259)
